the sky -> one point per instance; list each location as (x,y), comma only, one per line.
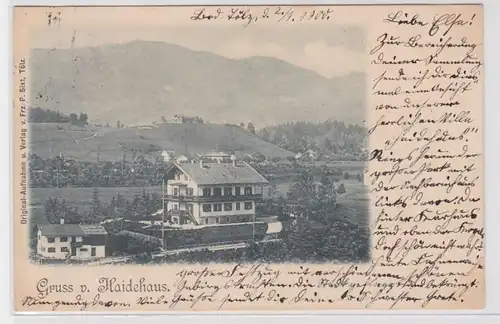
(331,50)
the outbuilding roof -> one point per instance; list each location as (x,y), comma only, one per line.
(71,230)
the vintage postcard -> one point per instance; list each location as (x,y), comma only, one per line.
(248,158)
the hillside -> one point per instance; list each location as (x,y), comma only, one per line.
(83,143)
(158,79)
(331,139)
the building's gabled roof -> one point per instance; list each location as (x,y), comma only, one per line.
(71,230)
(61,230)
(221,173)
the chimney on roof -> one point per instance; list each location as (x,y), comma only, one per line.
(233,159)
(62,221)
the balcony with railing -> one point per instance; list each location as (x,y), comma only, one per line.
(213,198)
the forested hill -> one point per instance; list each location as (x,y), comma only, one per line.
(330,139)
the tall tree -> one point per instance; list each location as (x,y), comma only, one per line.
(84,119)
(96,204)
(251,127)
(73,119)
(304,192)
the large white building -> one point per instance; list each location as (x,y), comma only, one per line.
(71,241)
(212,193)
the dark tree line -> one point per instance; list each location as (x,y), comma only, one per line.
(62,172)
(139,207)
(327,139)
(39,115)
(138,171)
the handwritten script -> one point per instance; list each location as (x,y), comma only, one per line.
(252,15)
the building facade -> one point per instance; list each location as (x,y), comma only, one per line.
(212,193)
(71,241)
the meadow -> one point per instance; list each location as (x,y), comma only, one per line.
(86,143)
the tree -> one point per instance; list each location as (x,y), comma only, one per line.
(84,119)
(341,189)
(303,192)
(326,191)
(303,242)
(120,201)
(73,119)
(327,144)
(143,205)
(96,204)
(251,128)
(265,134)
(118,125)
(242,125)
(73,216)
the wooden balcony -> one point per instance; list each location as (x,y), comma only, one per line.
(179,198)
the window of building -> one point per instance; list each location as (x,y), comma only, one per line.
(207,208)
(83,250)
(248,205)
(206,192)
(248,190)
(63,239)
(175,220)
(64,249)
(206,220)
(217,207)
(228,206)
(93,252)
(189,191)
(176,206)
(217,192)
(238,206)
(176,191)
(237,191)
(73,238)
(217,220)
(51,239)
(227,219)
(51,250)
(177,176)
(228,191)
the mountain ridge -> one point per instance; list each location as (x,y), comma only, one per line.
(113,81)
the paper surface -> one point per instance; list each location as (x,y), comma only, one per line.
(248,158)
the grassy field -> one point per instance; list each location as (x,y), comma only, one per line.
(83,144)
